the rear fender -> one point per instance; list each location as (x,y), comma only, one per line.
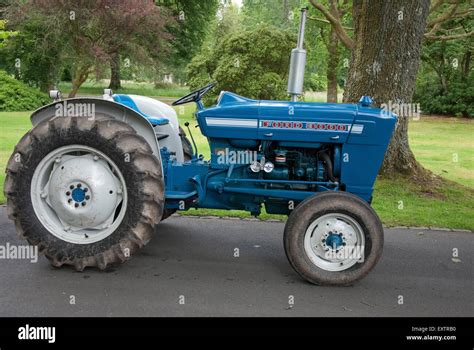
(88,107)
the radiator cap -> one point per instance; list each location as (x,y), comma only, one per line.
(366,101)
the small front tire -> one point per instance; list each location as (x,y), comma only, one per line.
(333,238)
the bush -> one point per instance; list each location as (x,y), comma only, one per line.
(458,100)
(315,82)
(445,82)
(17,96)
(252,63)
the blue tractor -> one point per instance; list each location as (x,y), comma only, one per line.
(93,178)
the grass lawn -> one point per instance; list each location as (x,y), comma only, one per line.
(445,146)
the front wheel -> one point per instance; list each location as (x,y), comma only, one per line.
(86,192)
(333,238)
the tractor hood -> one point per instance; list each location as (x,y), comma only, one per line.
(228,99)
(239,117)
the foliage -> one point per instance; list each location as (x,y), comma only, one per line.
(17,96)
(189,30)
(316,82)
(445,82)
(239,65)
(34,53)
(456,100)
(85,34)
(277,13)
(4,34)
(3,5)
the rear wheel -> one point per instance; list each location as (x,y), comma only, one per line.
(86,192)
(333,238)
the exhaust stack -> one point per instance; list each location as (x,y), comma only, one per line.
(298,62)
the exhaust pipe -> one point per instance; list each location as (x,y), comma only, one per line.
(298,62)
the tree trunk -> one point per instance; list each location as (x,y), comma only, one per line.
(466,60)
(286,11)
(46,87)
(115,83)
(384,65)
(80,76)
(333,62)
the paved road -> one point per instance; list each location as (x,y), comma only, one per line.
(194,258)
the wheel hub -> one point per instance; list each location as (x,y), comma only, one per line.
(83,192)
(334,241)
(79,194)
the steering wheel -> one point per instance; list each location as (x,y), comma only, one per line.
(194,96)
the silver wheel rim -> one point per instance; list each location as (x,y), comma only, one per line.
(334,242)
(79,194)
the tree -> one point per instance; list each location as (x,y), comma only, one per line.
(115,82)
(193,19)
(386,49)
(238,65)
(385,58)
(278,13)
(201,68)
(332,43)
(445,83)
(452,13)
(3,7)
(88,33)
(188,31)
(112,26)
(33,55)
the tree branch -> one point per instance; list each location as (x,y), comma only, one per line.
(444,17)
(323,37)
(448,37)
(346,40)
(326,22)
(435,5)
(434,26)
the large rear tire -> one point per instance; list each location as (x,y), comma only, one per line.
(333,238)
(50,183)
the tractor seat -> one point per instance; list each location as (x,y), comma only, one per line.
(128,101)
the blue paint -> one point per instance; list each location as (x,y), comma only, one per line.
(366,101)
(353,136)
(334,241)
(128,101)
(78,195)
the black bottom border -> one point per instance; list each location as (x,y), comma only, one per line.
(349,331)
